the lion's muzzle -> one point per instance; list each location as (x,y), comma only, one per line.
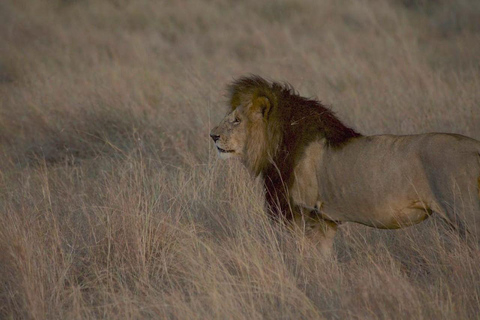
(214,136)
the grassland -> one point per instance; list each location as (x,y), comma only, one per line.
(113,204)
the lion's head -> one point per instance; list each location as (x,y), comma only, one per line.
(248,131)
(269,124)
(230,135)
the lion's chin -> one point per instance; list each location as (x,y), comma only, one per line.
(226,154)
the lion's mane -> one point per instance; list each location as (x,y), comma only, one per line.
(275,145)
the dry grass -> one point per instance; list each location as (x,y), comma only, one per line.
(113,204)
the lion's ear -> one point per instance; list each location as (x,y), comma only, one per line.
(260,107)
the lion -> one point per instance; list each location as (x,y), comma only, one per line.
(319,173)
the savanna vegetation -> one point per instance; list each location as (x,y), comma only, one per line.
(113,204)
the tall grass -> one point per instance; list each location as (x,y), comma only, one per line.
(113,203)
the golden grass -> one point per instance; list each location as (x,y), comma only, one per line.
(114,205)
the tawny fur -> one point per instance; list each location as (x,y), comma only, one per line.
(317,171)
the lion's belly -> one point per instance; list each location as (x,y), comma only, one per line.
(389,212)
(393,203)
(380,216)
(386,191)
(385,181)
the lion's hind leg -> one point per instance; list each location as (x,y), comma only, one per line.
(459,206)
(451,219)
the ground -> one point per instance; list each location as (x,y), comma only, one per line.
(114,204)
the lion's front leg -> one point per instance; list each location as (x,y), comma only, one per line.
(323,234)
(318,232)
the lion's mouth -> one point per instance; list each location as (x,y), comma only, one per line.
(225,151)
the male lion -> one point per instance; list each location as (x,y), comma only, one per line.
(318,173)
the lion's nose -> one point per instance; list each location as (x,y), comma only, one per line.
(214,137)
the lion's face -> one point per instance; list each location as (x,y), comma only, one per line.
(230,135)
(243,132)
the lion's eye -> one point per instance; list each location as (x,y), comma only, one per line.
(236,121)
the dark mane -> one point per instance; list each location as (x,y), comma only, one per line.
(292,123)
(308,115)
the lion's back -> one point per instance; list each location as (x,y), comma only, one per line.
(380,174)
(450,155)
